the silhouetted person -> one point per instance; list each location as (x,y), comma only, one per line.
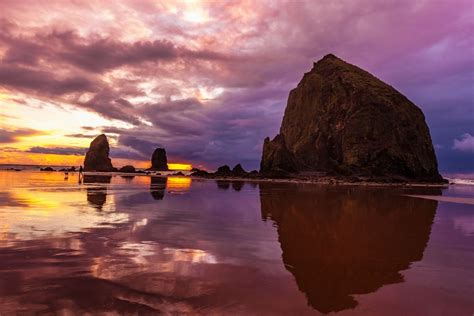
(81,176)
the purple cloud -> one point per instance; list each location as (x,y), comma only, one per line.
(12,136)
(74,151)
(464,143)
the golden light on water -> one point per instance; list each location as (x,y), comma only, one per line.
(180,166)
(178,183)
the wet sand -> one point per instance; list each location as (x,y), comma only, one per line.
(451,199)
(314,180)
(129,244)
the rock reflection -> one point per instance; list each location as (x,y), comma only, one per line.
(223,185)
(237,185)
(226,185)
(128,179)
(97,196)
(341,242)
(157,187)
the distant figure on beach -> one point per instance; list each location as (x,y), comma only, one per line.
(80,174)
(66,175)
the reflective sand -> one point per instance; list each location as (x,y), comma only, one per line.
(143,245)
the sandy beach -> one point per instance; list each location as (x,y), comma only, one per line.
(211,246)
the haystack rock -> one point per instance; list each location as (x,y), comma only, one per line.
(340,119)
(97,157)
(159,161)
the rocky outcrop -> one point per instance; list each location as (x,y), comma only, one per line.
(159,162)
(223,171)
(128,169)
(238,170)
(97,157)
(195,172)
(340,119)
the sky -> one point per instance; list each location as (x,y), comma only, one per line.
(209,80)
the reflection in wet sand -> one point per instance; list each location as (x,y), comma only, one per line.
(341,242)
(97,195)
(206,251)
(223,185)
(236,185)
(178,184)
(157,187)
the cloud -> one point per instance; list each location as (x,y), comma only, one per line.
(464,143)
(74,151)
(12,136)
(80,135)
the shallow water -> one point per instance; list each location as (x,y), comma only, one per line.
(140,245)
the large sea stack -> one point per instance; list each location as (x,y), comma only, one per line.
(97,157)
(340,119)
(159,161)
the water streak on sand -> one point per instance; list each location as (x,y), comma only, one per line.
(451,199)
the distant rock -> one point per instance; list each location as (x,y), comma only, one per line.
(128,169)
(223,171)
(159,162)
(199,173)
(72,169)
(238,170)
(97,157)
(47,169)
(342,120)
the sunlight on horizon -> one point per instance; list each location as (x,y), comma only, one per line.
(180,166)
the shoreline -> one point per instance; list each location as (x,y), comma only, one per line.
(317,181)
(323,181)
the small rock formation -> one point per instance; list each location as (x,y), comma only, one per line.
(238,170)
(223,171)
(159,162)
(47,169)
(199,173)
(97,157)
(128,169)
(342,120)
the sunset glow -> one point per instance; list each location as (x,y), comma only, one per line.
(180,166)
(209,80)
